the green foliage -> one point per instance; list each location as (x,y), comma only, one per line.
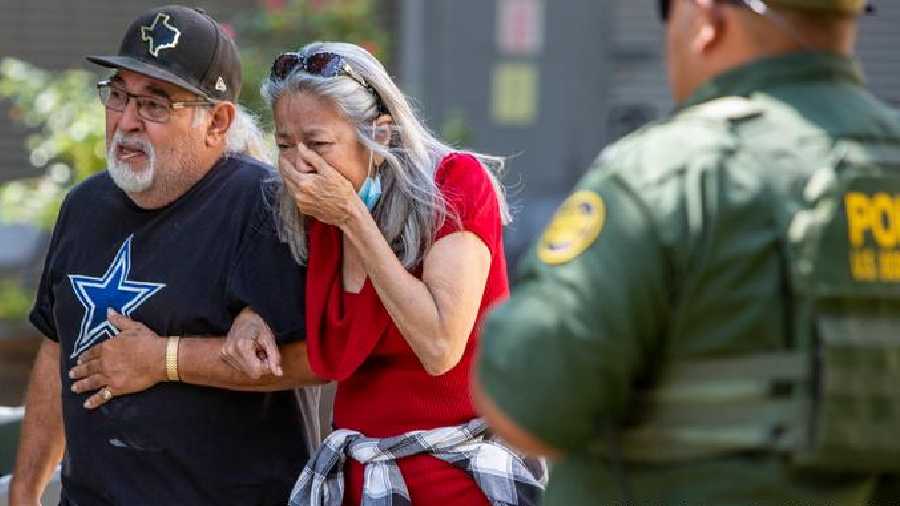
(266,33)
(14,301)
(67,122)
(67,139)
(455,129)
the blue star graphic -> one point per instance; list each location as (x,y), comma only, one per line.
(160,34)
(113,290)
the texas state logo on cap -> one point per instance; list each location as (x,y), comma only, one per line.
(183,46)
(160,34)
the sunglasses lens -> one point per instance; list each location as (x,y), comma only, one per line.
(285,64)
(664,10)
(324,64)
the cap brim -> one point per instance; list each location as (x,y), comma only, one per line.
(142,67)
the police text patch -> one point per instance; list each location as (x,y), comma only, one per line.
(873,227)
(574,228)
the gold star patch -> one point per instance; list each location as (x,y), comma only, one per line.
(575,226)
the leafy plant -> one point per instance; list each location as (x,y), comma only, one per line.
(66,139)
(66,121)
(14,300)
(290,24)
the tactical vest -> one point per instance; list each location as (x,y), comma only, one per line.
(833,401)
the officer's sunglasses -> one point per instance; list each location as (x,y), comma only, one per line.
(665,7)
(150,108)
(758,6)
(322,64)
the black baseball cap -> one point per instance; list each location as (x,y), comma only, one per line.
(182,46)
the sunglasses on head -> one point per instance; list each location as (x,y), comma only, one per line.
(323,64)
(319,64)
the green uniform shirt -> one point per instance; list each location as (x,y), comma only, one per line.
(668,251)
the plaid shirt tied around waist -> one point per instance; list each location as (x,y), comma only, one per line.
(505,478)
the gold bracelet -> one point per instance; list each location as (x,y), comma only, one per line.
(172,358)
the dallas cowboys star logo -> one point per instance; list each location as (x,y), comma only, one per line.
(160,34)
(113,290)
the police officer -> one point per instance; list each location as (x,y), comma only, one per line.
(710,318)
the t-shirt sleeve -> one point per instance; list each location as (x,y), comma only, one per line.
(266,278)
(471,200)
(41,315)
(560,357)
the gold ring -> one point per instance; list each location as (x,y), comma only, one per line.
(106,394)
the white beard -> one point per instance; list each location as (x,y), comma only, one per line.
(127,179)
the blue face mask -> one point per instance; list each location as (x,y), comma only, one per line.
(370,191)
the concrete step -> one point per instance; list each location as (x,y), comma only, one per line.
(51,494)
(10,419)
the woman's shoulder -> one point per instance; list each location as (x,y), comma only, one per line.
(469,194)
(460,171)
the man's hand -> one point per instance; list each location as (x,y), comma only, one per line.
(131,362)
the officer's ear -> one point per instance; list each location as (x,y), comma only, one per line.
(221,117)
(711,26)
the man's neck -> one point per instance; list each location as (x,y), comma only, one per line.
(163,193)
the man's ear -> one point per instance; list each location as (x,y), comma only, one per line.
(221,117)
(712,26)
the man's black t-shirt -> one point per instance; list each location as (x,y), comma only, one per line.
(186,269)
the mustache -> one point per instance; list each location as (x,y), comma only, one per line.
(134,142)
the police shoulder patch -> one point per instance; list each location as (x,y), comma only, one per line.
(575,226)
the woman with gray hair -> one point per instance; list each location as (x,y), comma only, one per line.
(402,237)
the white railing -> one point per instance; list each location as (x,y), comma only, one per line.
(4,490)
(11,414)
(51,495)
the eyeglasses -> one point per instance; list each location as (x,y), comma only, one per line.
(757,6)
(149,107)
(323,64)
(665,7)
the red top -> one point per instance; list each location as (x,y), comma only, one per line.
(383,389)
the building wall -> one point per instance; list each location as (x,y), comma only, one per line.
(639,78)
(601,75)
(461,56)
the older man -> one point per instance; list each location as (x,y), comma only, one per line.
(177,234)
(711,318)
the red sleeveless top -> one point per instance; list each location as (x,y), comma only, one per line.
(383,390)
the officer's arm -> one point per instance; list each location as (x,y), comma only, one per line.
(559,359)
(507,429)
(42,442)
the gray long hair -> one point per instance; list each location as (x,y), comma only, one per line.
(245,136)
(411,209)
